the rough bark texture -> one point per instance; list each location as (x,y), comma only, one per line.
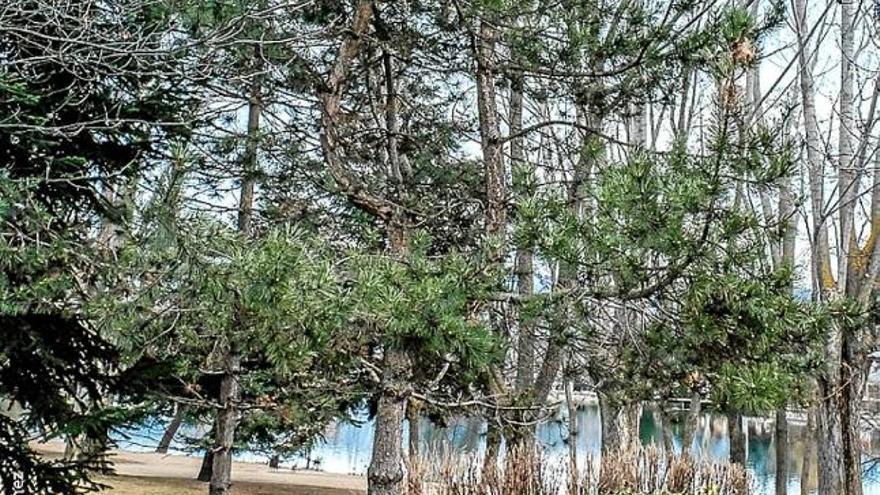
(608,412)
(631,425)
(414,419)
(525,272)
(490,134)
(227,418)
(387,474)
(493,449)
(171,430)
(737,438)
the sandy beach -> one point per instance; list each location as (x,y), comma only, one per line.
(144,473)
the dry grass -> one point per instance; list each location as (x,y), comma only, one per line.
(137,485)
(645,471)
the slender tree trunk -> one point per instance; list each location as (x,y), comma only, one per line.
(490,134)
(171,430)
(781,439)
(808,466)
(737,438)
(573,431)
(525,349)
(227,418)
(274,461)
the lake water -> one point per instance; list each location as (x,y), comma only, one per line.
(346,446)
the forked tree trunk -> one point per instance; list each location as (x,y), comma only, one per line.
(171,430)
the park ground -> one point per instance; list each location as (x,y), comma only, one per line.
(144,473)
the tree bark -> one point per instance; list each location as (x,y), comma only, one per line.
(573,431)
(664,433)
(207,466)
(490,134)
(525,348)
(414,419)
(493,450)
(227,418)
(387,474)
(171,430)
(781,439)
(689,432)
(808,481)
(274,461)
(737,438)
(631,428)
(608,412)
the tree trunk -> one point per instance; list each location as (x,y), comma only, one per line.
(689,432)
(781,439)
(737,438)
(227,418)
(808,481)
(171,430)
(852,385)
(610,425)
(522,175)
(829,443)
(414,418)
(207,465)
(664,428)
(490,134)
(631,419)
(573,431)
(274,461)
(387,474)
(493,450)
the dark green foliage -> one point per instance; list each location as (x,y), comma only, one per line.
(743,339)
(22,471)
(75,125)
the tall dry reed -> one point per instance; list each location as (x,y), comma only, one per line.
(627,472)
